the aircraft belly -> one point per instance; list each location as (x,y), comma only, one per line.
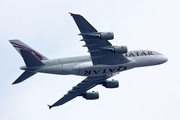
(87,69)
(62,69)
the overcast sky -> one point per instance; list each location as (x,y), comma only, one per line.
(144,93)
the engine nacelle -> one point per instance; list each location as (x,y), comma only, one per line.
(120,49)
(106,35)
(111,84)
(91,95)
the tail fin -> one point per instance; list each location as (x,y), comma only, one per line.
(18,45)
(31,61)
(31,58)
(24,76)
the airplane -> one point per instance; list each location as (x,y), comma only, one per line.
(105,61)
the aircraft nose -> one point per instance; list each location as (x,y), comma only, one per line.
(163,59)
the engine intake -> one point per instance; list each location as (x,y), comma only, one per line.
(91,95)
(111,84)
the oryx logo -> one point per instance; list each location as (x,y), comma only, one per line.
(26,48)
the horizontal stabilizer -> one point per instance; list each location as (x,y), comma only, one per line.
(30,59)
(24,76)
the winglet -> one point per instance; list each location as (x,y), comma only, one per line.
(71,13)
(49,106)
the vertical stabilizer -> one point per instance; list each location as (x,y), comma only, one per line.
(17,44)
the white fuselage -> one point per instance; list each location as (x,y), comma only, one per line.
(83,65)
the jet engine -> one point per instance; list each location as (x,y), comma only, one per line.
(111,84)
(106,35)
(120,49)
(91,95)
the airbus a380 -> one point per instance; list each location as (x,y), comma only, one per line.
(104,62)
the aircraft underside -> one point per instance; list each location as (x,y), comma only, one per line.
(104,62)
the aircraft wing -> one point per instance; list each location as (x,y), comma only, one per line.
(81,88)
(99,49)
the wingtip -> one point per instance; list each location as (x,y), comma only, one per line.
(71,13)
(14,83)
(49,106)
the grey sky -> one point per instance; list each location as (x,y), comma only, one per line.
(144,93)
